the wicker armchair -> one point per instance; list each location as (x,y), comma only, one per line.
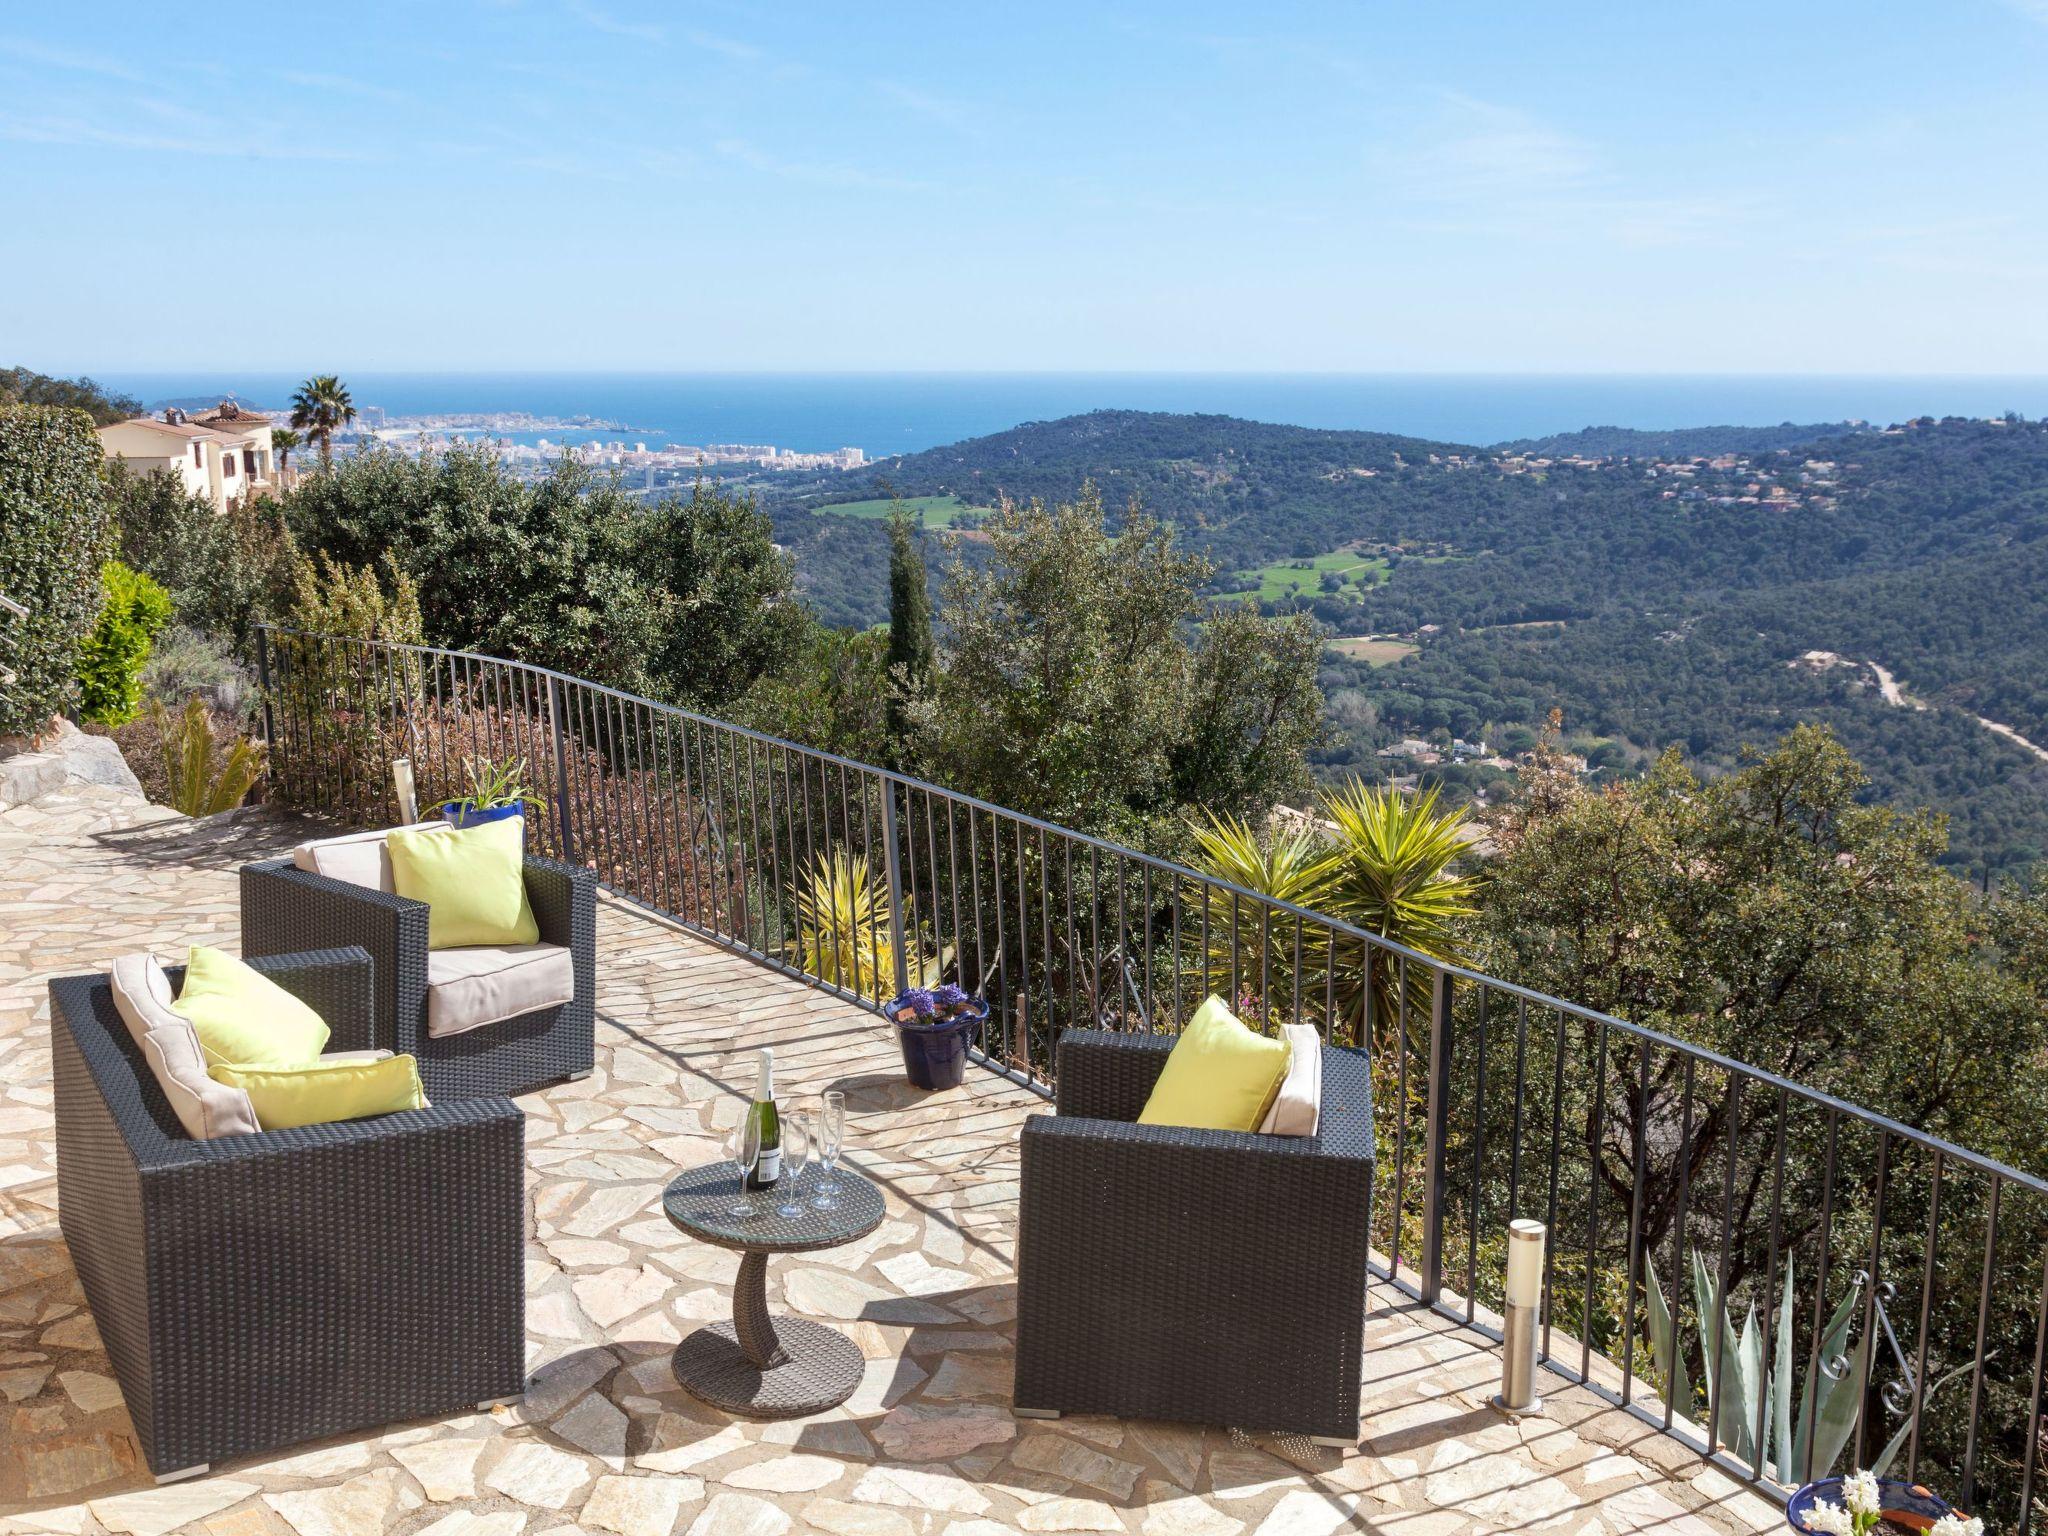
(1213,1277)
(258,1291)
(286,909)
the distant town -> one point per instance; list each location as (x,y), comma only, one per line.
(655,466)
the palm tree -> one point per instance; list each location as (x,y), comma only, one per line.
(320,409)
(1385,866)
(1249,950)
(282,441)
(1390,873)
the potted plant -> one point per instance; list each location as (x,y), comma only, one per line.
(496,791)
(1865,1502)
(935,1025)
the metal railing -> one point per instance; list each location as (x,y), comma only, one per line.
(1899,1280)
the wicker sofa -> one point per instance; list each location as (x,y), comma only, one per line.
(257,1291)
(1213,1277)
(286,909)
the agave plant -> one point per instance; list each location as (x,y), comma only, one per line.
(1244,943)
(196,787)
(1757,1402)
(1388,871)
(493,785)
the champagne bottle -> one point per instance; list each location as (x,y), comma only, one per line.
(769,1168)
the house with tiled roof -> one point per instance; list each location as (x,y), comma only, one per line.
(220,454)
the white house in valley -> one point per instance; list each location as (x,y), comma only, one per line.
(220,454)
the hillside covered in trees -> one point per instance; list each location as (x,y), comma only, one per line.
(1661,589)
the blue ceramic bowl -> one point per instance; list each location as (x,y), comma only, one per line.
(1906,1504)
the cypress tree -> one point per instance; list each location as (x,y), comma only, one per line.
(910,623)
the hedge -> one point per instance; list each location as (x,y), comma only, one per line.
(54,531)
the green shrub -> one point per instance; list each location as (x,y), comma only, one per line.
(224,570)
(53,534)
(111,660)
(185,661)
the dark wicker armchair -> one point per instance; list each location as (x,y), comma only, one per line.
(1213,1277)
(286,909)
(258,1291)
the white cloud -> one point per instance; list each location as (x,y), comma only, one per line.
(752,156)
(1481,148)
(938,108)
(1483,168)
(315,80)
(731,47)
(78,132)
(66,58)
(605,21)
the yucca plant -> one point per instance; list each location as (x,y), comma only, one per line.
(1388,871)
(1247,942)
(197,786)
(842,923)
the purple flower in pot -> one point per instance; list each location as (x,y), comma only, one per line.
(935,1026)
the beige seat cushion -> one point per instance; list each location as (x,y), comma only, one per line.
(486,983)
(142,996)
(1298,1107)
(360,858)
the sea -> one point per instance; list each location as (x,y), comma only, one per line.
(892,413)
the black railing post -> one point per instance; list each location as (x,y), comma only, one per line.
(894,862)
(263,686)
(562,818)
(1436,1136)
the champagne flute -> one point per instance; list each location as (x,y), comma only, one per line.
(831,1138)
(796,1150)
(743,1149)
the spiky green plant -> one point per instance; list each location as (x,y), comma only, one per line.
(842,923)
(1754,1401)
(197,787)
(1247,942)
(491,785)
(1389,871)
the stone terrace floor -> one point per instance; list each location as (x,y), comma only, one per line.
(604,1441)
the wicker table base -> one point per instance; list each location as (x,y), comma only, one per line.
(763,1366)
(816,1368)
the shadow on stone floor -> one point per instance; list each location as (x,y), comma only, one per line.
(223,842)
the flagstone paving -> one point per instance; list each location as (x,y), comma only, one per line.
(604,1442)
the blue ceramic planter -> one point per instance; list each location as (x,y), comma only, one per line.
(1906,1504)
(466,816)
(935,1055)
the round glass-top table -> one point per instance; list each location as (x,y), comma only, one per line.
(760,1365)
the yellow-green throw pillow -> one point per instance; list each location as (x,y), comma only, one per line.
(317,1092)
(473,879)
(1219,1076)
(241,1015)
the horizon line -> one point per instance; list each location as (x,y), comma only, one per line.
(1060,373)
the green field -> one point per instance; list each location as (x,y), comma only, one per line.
(937,511)
(1304,578)
(1377,650)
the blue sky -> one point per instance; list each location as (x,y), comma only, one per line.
(1812,187)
